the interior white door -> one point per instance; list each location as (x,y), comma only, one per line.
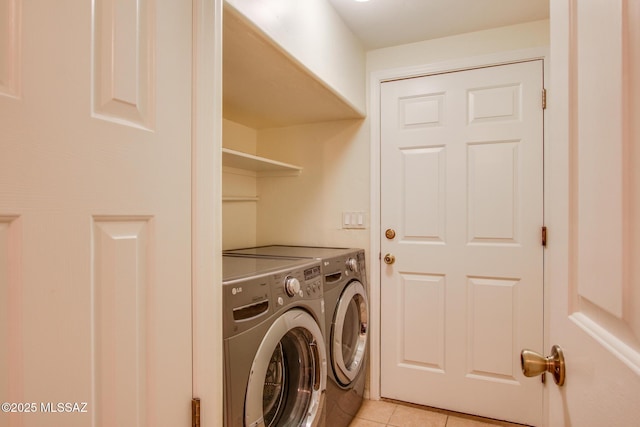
(462,187)
(95,213)
(594,244)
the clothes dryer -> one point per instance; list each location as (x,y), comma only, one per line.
(275,361)
(347,322)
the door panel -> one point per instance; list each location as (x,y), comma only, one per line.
(422,299)
(461,177)
(121,319)
(493,192)
(123,72)
(423,206)
(10,11)
(595,211)
(95,211)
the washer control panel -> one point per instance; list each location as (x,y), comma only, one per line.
(259,287)
(299,284)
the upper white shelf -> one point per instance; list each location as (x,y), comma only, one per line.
(264,87)
(261,165)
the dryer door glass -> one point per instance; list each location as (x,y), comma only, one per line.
(288,379)
(349,333)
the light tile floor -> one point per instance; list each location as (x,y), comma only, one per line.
(385,413)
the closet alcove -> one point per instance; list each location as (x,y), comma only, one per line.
(264,88)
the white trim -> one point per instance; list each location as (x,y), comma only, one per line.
(546,210)
(614,344)
(206,205)
(489,60)
(375,80)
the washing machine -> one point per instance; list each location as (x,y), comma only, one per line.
(275,359)
(347,321)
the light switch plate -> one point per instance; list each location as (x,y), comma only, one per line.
(356,220)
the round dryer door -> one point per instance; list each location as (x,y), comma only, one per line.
(288,377)
(349,333)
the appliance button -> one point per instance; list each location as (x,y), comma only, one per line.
(352,264)
(291,285)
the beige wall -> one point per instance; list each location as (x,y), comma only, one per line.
(503,39)
(307,210)
(239,218)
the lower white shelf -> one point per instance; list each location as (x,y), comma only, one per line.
(240,198)
(262,166)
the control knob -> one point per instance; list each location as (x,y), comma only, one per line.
(352,265)
(291,286)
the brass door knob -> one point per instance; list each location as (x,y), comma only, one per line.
(534,364)
(389,259)
(390,233)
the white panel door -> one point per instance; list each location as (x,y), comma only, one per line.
(594,250)
(95,212)
(462,186)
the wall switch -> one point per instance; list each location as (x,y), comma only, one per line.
(354,220)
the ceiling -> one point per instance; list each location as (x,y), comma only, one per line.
(384,23)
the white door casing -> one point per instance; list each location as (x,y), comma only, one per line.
(594,220)
(206,231)
(461,184)
(95,211)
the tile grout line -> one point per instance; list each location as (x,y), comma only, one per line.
(386,423)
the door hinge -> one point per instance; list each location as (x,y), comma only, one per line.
(544,236)
(544,99)
(195,412)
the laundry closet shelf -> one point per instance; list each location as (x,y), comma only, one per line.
(261,165)
(240,198)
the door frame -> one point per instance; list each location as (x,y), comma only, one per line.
(376,79)
(206,211)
